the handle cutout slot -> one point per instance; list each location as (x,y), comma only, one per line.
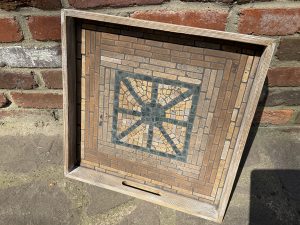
(140,187)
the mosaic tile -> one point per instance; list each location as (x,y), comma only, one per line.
(162,103)
(162,113)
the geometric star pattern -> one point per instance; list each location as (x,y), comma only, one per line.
(154,114)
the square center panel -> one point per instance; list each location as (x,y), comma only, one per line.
(154,114)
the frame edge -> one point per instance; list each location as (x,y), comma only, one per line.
(114,183)
(69,160)
(169,27)
(69,90)
(245,128)
(65,87)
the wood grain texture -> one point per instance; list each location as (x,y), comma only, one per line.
(261,73)
(168,27)
(71,157)
(166,199)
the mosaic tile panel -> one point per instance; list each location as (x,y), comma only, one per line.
(160,109)
(162,113)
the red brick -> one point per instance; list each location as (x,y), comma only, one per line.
(273,116)
(44,28)
(117,3)
(247,1)
(205,19)
(280,96)
(297,119)
(223,1)
(269,21)
(46,4)
(52,79)
(41,4)
(284,77)
(289,49)
(228,1)
(37,100)
(3,100)
(10,30)
(9,80)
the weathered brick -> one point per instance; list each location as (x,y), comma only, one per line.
(37,100)
(283,97)
(143,71)
(180,54)
(10,30)
(175,72)
(3,100)
(124,44)
(21,113)
(160,50)
(125,68)
(44,28)
(289,49)
(117,3)
(41,4)
(110,59)
(137,58)
(52,79)
(143,53)
(46,4)
(152,67)
(205,19)
(128,39)
(269,21)
(18,56)
(297,119)
(247,1)
(109,36)
(130,63)
(228,1)
(153,43)
(180,60)
(223,1)
(273,116)
(164,75)
(142,47)
(10,80)
(161,57)
(189,80)
(284,76)
(162,63)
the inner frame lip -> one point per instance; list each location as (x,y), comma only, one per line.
(207,35)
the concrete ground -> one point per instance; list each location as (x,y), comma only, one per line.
(33,189)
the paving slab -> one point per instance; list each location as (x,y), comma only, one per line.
(33,189)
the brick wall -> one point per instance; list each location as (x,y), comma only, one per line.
(30,55)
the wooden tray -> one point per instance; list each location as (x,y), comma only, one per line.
(158,111)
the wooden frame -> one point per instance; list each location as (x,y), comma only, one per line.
(72,157)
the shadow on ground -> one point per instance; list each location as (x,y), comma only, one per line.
(275,197)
